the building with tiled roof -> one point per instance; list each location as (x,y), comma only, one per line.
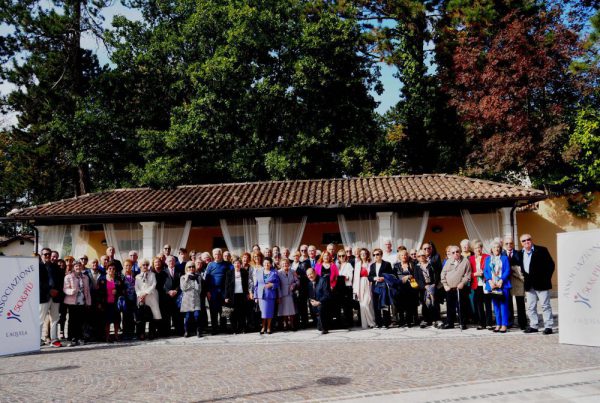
(222,215)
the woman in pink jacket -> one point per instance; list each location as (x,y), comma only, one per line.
(77,297)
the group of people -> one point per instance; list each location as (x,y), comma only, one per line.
(268,289)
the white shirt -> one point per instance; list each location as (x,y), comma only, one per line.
(527,259)
(238,283)
(348,272)
(390,257)
(377,267)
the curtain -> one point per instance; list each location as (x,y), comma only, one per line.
(359,232)
(175,234)
(53,237)
(79,241)
(485,227)
(409,230)
(239,234)
(123,237)
(287,233)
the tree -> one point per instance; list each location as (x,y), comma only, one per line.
(253,90)
(69,135)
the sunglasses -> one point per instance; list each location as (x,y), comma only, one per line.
(341,255)
(455,251)
(376,254)
(46,254)
(525,240)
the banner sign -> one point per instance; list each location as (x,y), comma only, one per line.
(19,305)
(579,287)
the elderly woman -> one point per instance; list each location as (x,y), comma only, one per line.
(288,282)
(77,297)
(426,279)
(147,300)
(481,299)
(111,288)
(361,287)
(345,289)
(237,294)
(408,298)
(497,282)
(190,301)
(266,289)
(130,299)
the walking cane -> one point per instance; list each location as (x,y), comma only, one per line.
(459,315)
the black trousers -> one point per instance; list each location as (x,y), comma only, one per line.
(75,324)
(321,315)
(302,305)
(407,307)
(483,307)
(521,315)
(238,317)
(382,316)
(440,297)
(346,305)
(172,317)
(452,299)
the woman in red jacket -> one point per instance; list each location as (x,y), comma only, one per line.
(481,298)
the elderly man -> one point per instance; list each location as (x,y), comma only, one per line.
(517,283)
(440,293)
(54,256)
(455,276)
(110,252)
(465,248)
(319,297)
(537,267)
(215,283)
(312,255)
(135,265)
(51,294)
(171,287)
(388,252)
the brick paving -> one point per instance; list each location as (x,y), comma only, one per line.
(286,366)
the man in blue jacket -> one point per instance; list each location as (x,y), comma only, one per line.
(319,297)
(215,281)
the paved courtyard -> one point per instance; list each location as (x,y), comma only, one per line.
(368,365)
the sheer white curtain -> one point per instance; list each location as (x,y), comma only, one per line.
(123,237)
(79,241)
(359,232)
(409,230)
(287,232)
(239,234)
(482,226)
(52,237)
(175,234)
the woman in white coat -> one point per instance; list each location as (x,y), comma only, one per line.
(362,289)
(147,297)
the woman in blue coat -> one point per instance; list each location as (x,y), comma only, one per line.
(496,273)
(266,292)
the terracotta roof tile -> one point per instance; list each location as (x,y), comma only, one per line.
(349,192)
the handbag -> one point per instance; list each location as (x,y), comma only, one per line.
(144,313)
(121,304)
(413,283)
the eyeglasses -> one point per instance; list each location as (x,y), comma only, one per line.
(376,254)
(303,250)
(341,255)
(146,264)
(525,240)
(455,251)
(427,247)
(46,254)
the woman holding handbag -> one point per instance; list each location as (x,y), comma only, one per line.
(147,301)
(497,283)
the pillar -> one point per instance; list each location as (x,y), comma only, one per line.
(384,220)
(263,230)
(149,239)
(506,228)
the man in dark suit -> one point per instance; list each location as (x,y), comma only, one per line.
(376,272)
(517,290)
(440,294)
(312,255)
(319,297)
(172,281)
(303,265)
(537,267)
(51,295)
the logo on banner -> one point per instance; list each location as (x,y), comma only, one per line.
(582,280)
(15,312)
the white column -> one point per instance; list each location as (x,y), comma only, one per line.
(149,239)
(264,234)
(384,219)
(506,228)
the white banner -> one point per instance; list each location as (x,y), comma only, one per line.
(19,305)
(579,287)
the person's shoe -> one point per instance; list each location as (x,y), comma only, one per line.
(503,329)
(423,325)
(548,330)
(464,327)
(324,331)
(42,343)
(56,343)
(496,329)
(530,330)
(447,326)
(186,335)
(480,327)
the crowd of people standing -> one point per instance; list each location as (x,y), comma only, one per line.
(271,289)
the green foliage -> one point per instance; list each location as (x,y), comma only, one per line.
(583,148)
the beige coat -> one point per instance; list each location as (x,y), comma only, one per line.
(148,288)
(517,281)
(457,273)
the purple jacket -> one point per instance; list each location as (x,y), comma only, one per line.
(259,284)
